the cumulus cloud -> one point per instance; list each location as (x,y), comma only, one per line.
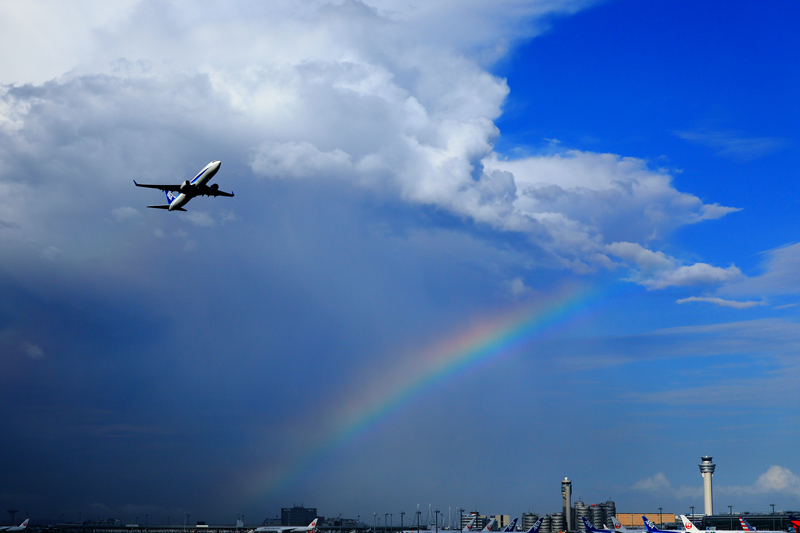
(777,479)
(654,483)
(719,301)
(346,91)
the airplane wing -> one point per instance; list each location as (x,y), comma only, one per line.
(173,188)
(212,190)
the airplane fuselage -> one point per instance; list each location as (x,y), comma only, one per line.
(189,188)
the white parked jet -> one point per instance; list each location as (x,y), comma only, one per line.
(189,189)
(22,527)
(312,528)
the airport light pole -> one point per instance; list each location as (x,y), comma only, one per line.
(437,520)
(660,522)
(692,508)
(401,519)
(730,508)
(418,511)
(773,515)
(385,521)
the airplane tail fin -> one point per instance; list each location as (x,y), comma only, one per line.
(617,525)
(535,527)
(24,524)
(589,527)
(471,524)
(511,527)
(795,523)
(313,524)
(490,525)
(745,525)
(650,526)
(689,525)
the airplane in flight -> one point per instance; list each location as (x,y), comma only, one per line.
(312,528)
(188,189)
(22,527)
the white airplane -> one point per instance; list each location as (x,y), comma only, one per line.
(189,189)
(22,527)
(620,528)
(591,529)
(510,527)
(312,527)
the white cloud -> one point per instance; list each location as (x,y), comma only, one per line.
(719,301)
(658,482)
(780,276)
(693,275)
(33,351)
(777,479)
(122,214)
(733,144)
(364,93)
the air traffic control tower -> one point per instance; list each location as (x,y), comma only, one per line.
(707,470)
(566,501)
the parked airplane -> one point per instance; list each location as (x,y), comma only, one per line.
(745,525)
(691,528)
(312,528)
(618,525)
(511,527)
(189,189)
(591,529)
(22,527)
(651,527)
(535,527)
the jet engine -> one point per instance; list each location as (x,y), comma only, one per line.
(214,186)
(185,186)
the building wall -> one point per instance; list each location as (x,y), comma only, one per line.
(635,519)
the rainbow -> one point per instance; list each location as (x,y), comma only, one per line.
(484,342)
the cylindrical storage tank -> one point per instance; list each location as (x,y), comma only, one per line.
(598,517)
(528,519)
(558,523)
(547,521)
(609,510)
(581,511)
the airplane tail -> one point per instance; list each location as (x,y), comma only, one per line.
(795,522)
(689,525)
(313,525)
(617,525)
(511,527)
(650,526)
(589,527)
(471,524)
(535,527)
(490,525)
(745,525)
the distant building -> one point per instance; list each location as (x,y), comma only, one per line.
(635,519)
(298,516)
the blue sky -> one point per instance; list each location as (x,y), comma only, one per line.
(410,179)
